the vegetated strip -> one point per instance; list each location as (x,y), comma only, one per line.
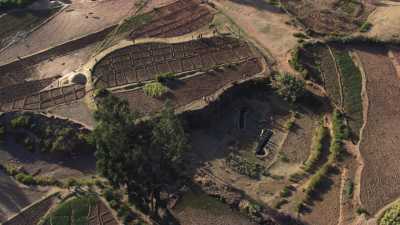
(317,147)
(339,133)
(352,87)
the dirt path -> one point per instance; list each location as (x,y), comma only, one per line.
(339,76)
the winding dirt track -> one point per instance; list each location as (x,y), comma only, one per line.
(380,177)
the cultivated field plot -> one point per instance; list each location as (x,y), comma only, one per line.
(14,197)
(34,213)
(15,24)
(330,16)
(45,99)
(81,210)
(24,89)
(331,76)
(188,90)
(144,62)
(179,18)
(380,177)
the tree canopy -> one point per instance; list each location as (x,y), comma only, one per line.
(141,156)
(289,87)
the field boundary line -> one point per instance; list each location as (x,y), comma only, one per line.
(65,6)
(339,75)
(365,101)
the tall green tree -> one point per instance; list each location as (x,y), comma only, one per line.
(289,87)
(143,157)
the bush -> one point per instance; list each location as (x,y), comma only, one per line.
(391,216)
(366,27)
(349,189)
(25,178)
(165,77)
(289,87)
(286,192)
(101,93)
(20,121)
(155,89)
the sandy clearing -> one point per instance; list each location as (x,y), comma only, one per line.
(81,18)
(264,24)
(386,22)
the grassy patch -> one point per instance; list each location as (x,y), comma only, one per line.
(391,216)
(365,27)
(76,209)
(155,89)
(244,166)
(352,86)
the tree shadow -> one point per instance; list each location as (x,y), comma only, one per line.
(259,4)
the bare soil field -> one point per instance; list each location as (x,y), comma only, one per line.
(325,210)
(14,197)
(297,146)
(188,90)
(77,111)
(330,16)
(386,22)
(380,178)
(251,16)
(81,18)
(179,18)
(34,213)
(143,62)
(16,24)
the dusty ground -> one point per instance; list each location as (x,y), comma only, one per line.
(80,18)
(77,111)
(14,197)
(386,22)
(265,25)
(325,211)
(378,147)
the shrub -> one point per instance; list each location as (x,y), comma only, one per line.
(360,211)
(165,77)
(113,204)
(20,121)
(25,178)
(286,192)
(349,189)
(102,92)
(289,87)
(155,89)
(391,216)
(280,203)
(300,35)
(365,27)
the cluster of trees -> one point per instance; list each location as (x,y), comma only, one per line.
(289,87)
(7,4)
(47,135)
(143,156)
